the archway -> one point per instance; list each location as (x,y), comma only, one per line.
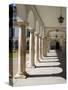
(30,39)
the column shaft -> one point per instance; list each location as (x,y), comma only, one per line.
(21,54)
(44,51)
(48,44)
(45,47)
(40,50)
(42,47)
(31,50)
(36,48)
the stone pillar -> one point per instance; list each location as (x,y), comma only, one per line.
(36,47)
(21,54)
(48,44)
(31,50)
(43,51)
(42,46)
(40,50)
(45,46)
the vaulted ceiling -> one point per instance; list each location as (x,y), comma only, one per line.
(50,14)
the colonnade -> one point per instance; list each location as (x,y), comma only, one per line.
(39,46)
(39,42)
(37,50)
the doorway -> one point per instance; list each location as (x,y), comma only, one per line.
(57,45)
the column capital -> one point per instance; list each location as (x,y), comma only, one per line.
(40,36)
(30,29)
(21,23)
(36,34)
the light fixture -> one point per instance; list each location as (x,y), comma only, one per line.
(61,18)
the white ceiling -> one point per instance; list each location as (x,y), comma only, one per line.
(49,15)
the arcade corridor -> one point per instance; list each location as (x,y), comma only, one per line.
(40,56)
(50,70)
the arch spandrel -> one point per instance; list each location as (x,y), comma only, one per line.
(37,27)
(30,19)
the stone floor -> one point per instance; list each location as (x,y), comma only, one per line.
(39,81)
(51,70)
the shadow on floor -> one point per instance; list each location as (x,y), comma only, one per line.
(62,58)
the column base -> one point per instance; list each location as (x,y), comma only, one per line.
(20,75)
(39,60)
(44,55)
(31,66)
(34,66)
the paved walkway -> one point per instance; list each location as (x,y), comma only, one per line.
(46,72)
(39,81)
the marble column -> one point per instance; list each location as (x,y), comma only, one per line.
(21,54)
(48,44)
(44,47)
(40,50)
(31,50)
(36,48)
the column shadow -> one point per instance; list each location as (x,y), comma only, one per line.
(62,58)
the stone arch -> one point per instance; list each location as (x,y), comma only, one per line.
(54,31)
(30,19)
